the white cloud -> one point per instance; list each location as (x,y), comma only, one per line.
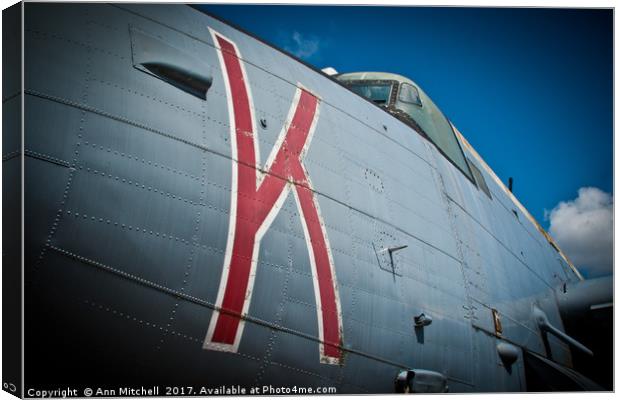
(583,228)
(303,47)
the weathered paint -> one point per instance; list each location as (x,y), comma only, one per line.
(128,187)
(259,197)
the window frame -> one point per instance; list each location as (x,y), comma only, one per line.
(374,82)
(415,89)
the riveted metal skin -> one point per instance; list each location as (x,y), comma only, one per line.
(128,185)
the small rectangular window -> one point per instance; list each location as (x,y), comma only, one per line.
(409,94)
(479,178)
(379,93)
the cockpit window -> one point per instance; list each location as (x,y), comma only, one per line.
(479,178)
(409,94)
(411,105)
(379,93)
(427,117)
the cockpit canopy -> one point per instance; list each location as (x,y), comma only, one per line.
(405,100)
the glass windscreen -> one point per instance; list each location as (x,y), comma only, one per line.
(378,93)
(409,94)
(427,115)
(419,108)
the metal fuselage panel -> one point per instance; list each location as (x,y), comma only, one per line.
(129,185)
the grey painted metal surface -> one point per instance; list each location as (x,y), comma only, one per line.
(128,196)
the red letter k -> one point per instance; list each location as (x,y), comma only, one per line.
(256,198)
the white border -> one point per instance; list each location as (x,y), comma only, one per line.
(208,343)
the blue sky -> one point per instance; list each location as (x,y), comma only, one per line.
(531,89)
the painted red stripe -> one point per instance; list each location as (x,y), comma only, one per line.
(254,204)
(331,330)
(240,264)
